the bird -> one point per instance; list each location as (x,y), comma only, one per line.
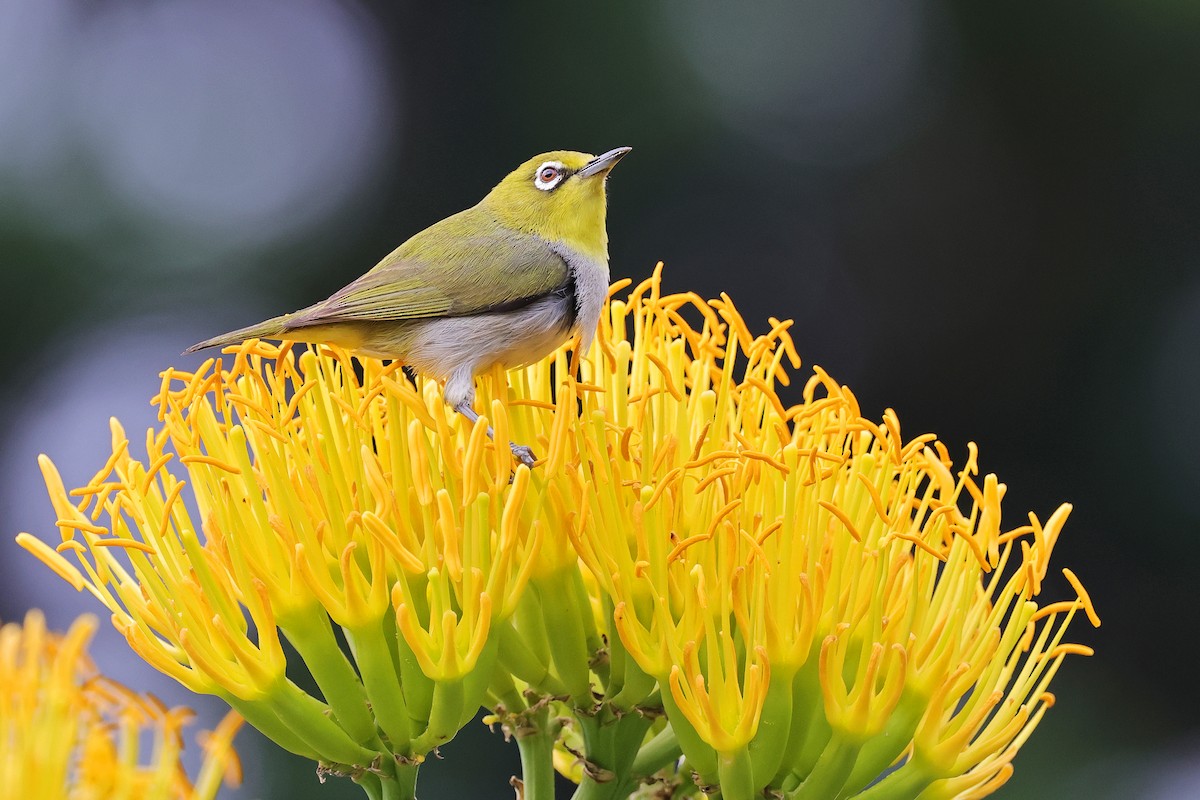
(506,281)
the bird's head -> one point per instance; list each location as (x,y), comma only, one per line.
(559,196)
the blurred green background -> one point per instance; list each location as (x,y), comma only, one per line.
(984,215)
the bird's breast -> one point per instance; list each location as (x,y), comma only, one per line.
(439,346)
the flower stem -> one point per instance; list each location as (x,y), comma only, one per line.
(401,786)
(405,782)
(657,753)
(370,784)
(611,748)
(536,743)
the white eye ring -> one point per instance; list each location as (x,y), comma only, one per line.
(549,175)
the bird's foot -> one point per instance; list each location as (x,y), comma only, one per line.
(523,454)
(519,451)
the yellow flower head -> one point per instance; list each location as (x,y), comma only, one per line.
(812,599)
(70,733)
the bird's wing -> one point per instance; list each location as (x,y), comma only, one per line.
(465,264)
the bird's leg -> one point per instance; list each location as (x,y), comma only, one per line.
(521,452)
(460,398)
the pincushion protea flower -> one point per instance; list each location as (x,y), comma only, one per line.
(699,587)
(68,732)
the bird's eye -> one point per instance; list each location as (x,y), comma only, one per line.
(548,176)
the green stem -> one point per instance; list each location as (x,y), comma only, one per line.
(609,790)
(381,680)
(306,716)
(405,782)
(262,717)
(370,784)
(828,777)
(563,616)
(611,746)
(700,754)
(737,775)
(314,639)
(628,736)
(445,715)
(884,748)
(519,660)
(657,753)
(385,787)
(907,781)
(536,743)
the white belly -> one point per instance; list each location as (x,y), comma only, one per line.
(441,346)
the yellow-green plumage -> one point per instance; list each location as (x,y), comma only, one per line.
(503,282)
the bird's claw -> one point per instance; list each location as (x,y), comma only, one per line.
(523,454)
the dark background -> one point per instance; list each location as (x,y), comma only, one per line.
(983,215)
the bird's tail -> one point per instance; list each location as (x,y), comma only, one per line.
(271,329)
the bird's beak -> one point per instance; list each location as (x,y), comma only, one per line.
(600,165)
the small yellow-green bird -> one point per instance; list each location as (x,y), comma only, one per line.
(504,282)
